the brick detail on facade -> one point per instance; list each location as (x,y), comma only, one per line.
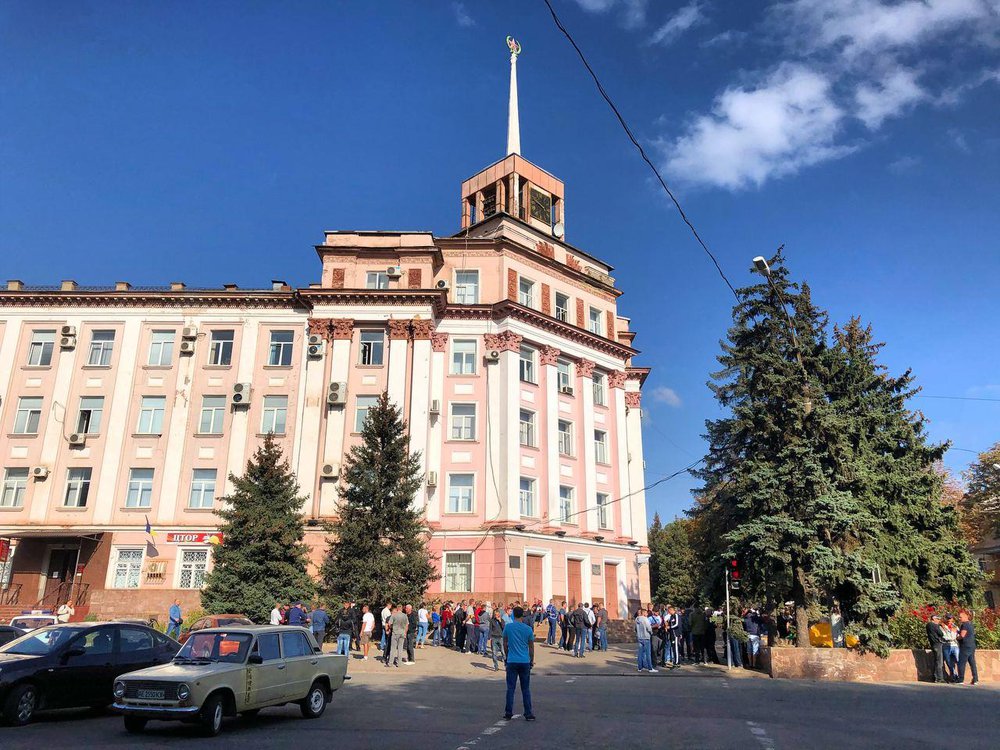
(422,329)
(439,342)
(611,325)
(545,249)
(399,329)
(505,341)
(585,368)
(573,263)
(512,285)
(337,278)
(414,278)
(616,379)
(580,319)
(548,355)
(546,299)
(332,329)
(633,400)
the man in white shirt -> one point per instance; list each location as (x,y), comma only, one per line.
(276,615)
(65,612)
(384,643)
(367,627)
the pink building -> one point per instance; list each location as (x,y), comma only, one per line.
(502,343)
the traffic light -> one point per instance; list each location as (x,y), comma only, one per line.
(734,574)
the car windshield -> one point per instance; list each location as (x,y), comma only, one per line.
(224,621)
(40,642)
(230,648)
(30,623)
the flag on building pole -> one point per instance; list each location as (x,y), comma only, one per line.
(149,529)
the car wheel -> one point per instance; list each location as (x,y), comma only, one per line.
(134,725)
(22,702)
(211,716)
(314,704)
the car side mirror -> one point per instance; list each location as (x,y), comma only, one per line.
(72,653)
(255,659)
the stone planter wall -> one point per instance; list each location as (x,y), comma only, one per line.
(845,665)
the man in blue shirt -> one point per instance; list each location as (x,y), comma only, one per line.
(519,645)
(176,620)
(296,616)
(553,616)
(319,620)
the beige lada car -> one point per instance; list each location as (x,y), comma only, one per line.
(221,672)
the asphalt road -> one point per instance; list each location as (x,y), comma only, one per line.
(691,708)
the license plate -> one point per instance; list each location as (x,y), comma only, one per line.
(151,695)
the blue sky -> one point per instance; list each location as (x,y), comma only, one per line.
(214,142)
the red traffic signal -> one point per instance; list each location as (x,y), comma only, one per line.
(734,572)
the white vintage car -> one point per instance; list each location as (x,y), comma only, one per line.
(222,672)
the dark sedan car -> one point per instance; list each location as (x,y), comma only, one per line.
(9,633)
(74,664)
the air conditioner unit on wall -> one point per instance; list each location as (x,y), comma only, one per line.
(78,438)
(187,347)
(240,395)
(567,389)
(316,346)
(329,471)
(189,332)
(67,342)
(435,406)
(442,284)
(67,331)
(39,472)
(394,272)
(493,355)
(432,478)
(337,394)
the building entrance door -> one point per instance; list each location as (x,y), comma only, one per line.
(59,576)
(611,590)
(574,589)
(534,584)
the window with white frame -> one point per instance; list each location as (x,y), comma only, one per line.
(461,493)
(202,488)
(565,437)
(15,486)
(463,357)
(600,390)
(376,280)
(526,292)
(28,415)
(458,571)
(564,376)
(220,349)
(372,347)
(463,421)
(594,321)
(275,414)
(601,446)
(467,287)
(140,489)
(565,503)
(213,412)
(161,348)
(603,515)
(364,403)
(88,420)
(526,495)
(526,431)
(41,347)
(102,345)
(562,307)
(127,569)
(77,488)
(193,565)
(280,352)
(151,409)
(526,364)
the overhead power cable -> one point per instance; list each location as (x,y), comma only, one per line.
(642,151)
(958,398)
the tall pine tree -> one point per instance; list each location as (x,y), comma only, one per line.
(263,558)
(378,549)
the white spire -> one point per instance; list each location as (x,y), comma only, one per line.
(513,122)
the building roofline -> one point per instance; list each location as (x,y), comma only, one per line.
(516,156)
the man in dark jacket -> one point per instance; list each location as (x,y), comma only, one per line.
(698,627)
(578,621)
(460,616)
(344,625)
(411,633)
(935,637)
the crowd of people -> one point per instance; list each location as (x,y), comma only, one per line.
(954,647)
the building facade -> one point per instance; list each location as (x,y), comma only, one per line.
(124,410)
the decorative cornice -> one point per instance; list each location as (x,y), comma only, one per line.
(616,379)
(235,299)
(439,342)
(548,355)
(431,297)
(633,399)
(585,368)
(332,329)
(574,333)
(505,341)
(638,374)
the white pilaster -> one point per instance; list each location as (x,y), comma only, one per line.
(495,431)
(396,385)
(435,436)
(169,497)
(589,495)
(241,429)
(549,430)
(624,469)
(510,429)
(637,473)
(311,407)
(419,404)
(337,421)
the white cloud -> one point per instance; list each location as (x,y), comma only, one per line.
(905,165)
(957,137)
(788,122)
(887,98)
(633,11)
(663,395)
(462,17)
(728,38)
(689,16)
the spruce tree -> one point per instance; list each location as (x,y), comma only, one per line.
(263,558)
(378,548)
(653,541)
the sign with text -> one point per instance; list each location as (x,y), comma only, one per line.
(4,550)
(194,537)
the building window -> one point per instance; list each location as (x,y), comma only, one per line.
(151,410)
(193,566)
(213,411)
(202,488)
(527,365)
(140,489)
(562,307)
(564,376)
(601,446)
(489,202)
(220,350)
(526,430)
(128,569)
(377,280)
(594,321)
(565,503)
(102,344)
(463,358)
(161,349)
(526,292)
(467,287)
(40,348)
(88,421)
(15,485)
(541,206)
(77,488)
(602,511)
(275,415)
(361,412)
(29,414)
(372,347)
(600,393)
(280,354)
(458,571)
(565,438)
(463,421)
(461,491)
(527,496)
